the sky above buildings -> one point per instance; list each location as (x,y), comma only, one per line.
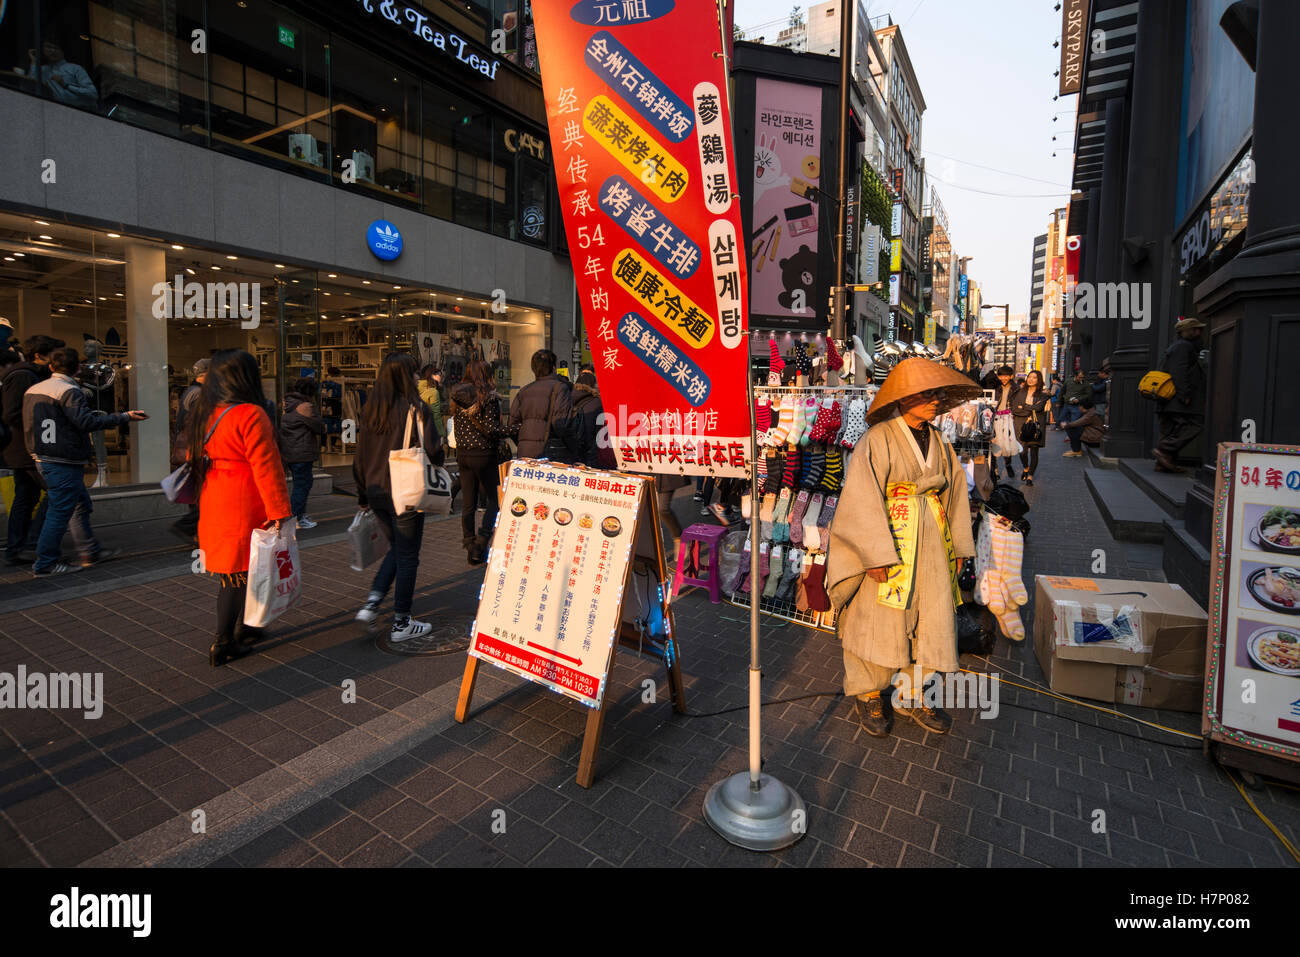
(985,71)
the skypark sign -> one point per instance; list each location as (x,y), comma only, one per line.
(417,21)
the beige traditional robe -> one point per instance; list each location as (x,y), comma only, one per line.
(861,539)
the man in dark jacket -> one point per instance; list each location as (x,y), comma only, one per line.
(541,416)
(1073,393)
(300,432)
(27,480)
(1182,417)
(591,418)
(57,424)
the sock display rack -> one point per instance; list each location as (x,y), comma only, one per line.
(805,437)
(968,428)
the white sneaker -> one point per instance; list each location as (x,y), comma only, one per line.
(412,629)
(368,613)
(305,522)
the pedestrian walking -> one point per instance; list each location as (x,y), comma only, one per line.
(1004,429)
(895,555)
(187,526)
(299,434)
(431,391)
(669,527)
(1055,392)
(1087,430)
(1032,416)
(237,467)
(23,529)
(1182,417)
(393,410)
(541,415)
(476,411)
(590,411)
(57,423)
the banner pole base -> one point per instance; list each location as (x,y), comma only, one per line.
(767,818)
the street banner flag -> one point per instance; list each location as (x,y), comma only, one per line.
(636,99)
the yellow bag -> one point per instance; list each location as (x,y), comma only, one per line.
(1157,385)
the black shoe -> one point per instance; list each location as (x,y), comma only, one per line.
(1011,474)
(23,558)
(1028,478)
(932,719)
(103,555)
(698,497)
(874,716)
(247,637)
(226,649)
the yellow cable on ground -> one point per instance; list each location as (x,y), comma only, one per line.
(1291,848)
(1084,704)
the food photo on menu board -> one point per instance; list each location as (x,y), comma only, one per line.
(1270,587)
(1268,647)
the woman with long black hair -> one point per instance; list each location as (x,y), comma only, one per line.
(394,409)
(479,433)
(1030,404)
(237,467)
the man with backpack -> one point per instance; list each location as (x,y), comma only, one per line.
(542,419)
(27,480)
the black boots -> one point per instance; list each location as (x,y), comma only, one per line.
(475,549)
(226,649)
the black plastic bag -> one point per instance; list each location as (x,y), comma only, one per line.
(1007,501)
(966,577)
(976,629)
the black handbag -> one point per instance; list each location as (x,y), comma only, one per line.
(1031,431)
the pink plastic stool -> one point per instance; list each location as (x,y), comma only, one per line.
(688,552)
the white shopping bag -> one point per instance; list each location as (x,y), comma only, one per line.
(367,541)
(274,578)
(1005,442)
(416,482)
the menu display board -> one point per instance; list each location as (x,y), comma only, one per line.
(1252,694)
(636,100)
(552,595)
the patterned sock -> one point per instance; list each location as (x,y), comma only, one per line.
(833,478)
(761,464)
(799,422)
(774,571)
(763,415)
(796,517)
(741,581)
(782,419)
(774,463)
(810,419)
(793,566)
(855,423)
(1008,553)
(765,509)
(814,584)
(984,563)
(763,550)
(1012,624)
(834,361)
(811,533)
(827,515)
(790,474)
(781,517)
(776,364)
(827,423)
(817,470)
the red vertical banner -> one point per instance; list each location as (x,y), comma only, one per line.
(636,99)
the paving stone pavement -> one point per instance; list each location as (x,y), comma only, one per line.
(288,774)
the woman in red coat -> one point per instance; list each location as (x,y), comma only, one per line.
(241,487)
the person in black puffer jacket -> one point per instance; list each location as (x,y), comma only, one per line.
(591,419)
(300,430)
(479,433)
(541,416)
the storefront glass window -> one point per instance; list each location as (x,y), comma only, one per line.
(376,111)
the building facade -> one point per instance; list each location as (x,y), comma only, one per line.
(316,183)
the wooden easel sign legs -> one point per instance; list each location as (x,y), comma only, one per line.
(556,583)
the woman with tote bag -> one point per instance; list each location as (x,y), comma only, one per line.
(237,470)
(386,419)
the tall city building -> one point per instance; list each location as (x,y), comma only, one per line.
(903,152)
(1037,273)
(1052,321)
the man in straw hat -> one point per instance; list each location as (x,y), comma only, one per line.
(1182,417)
(895,551)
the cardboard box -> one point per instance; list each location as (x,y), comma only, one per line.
(1159,661)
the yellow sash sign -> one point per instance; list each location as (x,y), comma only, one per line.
(902,505)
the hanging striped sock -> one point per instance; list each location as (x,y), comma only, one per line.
(773,461)
(791,469)
(816,471)
(833,477)
(782,420)
(810,419)
(1009,551)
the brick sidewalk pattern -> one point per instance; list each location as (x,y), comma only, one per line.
(287,774)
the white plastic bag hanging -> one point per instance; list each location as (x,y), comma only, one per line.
(366,540)
(1005,442)
(274,578)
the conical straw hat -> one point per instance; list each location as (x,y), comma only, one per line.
(912,376)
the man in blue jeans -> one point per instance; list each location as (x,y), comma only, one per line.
(1073,393)
(23,529)
(57,424)
(300,432)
